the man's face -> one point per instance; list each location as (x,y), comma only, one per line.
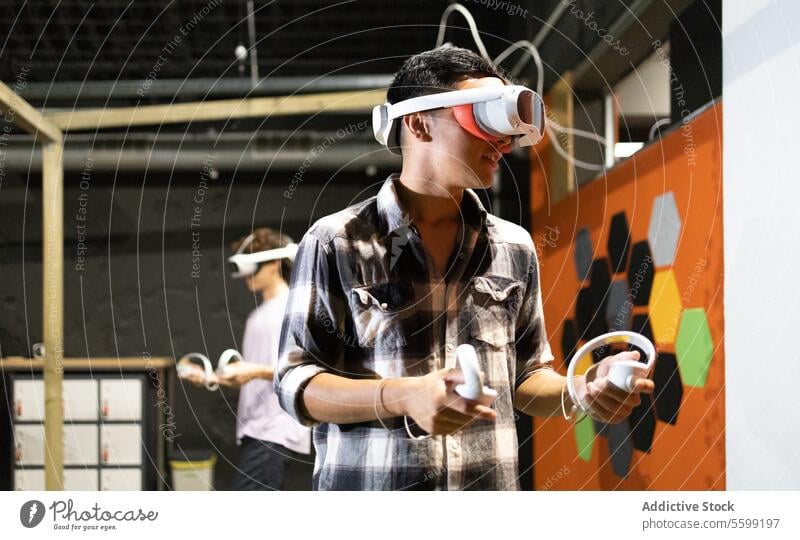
(469,161)
(265,277)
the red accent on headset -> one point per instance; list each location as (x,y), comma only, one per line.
(466,119)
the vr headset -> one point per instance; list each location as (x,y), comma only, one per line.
(243,265)
(488,112)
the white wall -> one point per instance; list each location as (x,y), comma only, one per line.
(761,178)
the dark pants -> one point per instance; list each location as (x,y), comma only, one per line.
(265,466)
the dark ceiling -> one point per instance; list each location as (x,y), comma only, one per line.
(75,41)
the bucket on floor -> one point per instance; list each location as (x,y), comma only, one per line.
(193,470)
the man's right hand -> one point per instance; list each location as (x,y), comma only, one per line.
(432,402)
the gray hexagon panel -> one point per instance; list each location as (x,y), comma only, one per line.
(665,229)
(618,310)
(583,253)
(620,446)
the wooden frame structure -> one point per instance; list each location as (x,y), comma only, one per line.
(49,132)
(51,138)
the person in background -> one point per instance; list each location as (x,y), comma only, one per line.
(272,445)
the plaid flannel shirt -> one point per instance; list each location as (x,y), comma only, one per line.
(366,301)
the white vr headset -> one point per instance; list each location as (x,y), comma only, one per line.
(243,265)
(488,112)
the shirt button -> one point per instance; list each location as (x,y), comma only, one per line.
(384,305)
(450,347)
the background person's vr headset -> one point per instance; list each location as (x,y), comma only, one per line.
(242,265)
(488,112)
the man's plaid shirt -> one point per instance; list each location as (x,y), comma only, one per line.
(366,301)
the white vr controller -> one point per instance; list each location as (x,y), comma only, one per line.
(622,374)
(185,366)
(473,387)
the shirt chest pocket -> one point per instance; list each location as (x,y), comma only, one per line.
(383,314)
(492,307)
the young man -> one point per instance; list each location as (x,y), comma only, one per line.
(270,441)
(383,293)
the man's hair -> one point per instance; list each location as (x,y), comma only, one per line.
(266,239)
(438,70)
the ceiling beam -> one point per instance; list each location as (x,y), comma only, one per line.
(204,88)
(15,109)
(205,111)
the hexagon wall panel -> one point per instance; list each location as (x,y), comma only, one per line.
(634,251)
(585,312)
(600,428)
(641,325)
(665,229)
(619,239)
(640,273)
(569,341)
(620,446)
(694,347)
(604,305)
(584,438)
(665,307)
(618,310)
(583,253)
(599,283)
(643,424)
(669,390)
(590,314)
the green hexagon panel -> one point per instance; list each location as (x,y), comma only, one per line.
(584,438)
(694,347)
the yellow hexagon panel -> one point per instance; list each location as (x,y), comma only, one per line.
(665,307)
(584,363)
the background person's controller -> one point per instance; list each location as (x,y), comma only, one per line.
(473,387)
(230,355)
(185,366)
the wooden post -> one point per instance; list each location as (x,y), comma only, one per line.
(22,114)
(562,172)
(53,311)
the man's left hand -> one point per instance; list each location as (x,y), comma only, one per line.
(606,402)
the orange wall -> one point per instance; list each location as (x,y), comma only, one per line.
(691,453)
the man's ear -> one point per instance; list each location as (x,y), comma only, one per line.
(417,127)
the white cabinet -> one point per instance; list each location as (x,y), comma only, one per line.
(74,480)
(29,480)
(80,479)
(29,444)
(28,400)
(121,479)
(80,400)
(121,399)
(80,444)
(102,432)
(121,444)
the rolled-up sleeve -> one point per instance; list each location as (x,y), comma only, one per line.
(310,342)
(532,346)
